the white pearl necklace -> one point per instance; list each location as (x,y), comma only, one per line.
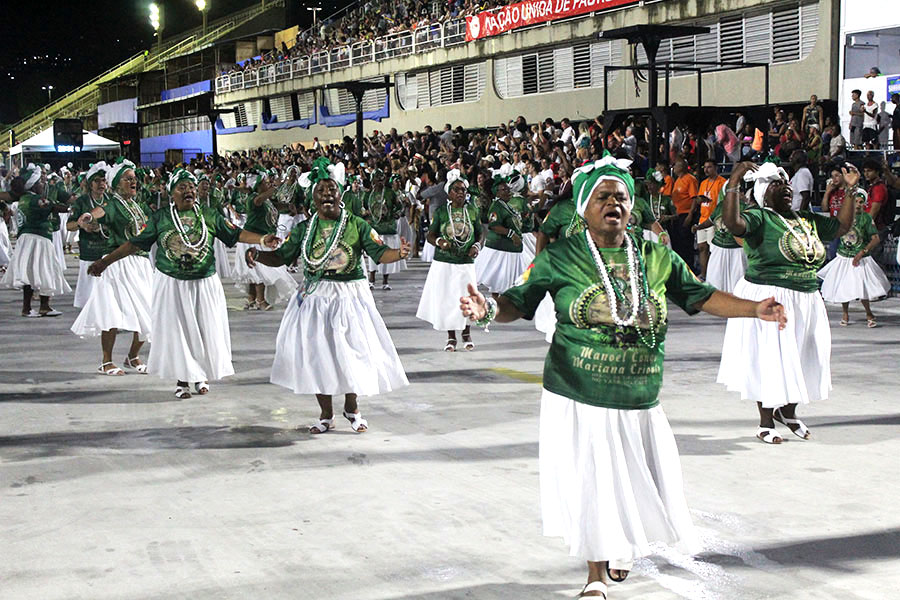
(312,264)
(182,232)
(138,218)
(469,234)
(607,282)
(380,214)
(516,215)
(658,210)
(809,243)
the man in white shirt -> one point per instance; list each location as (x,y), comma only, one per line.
(568,133)
(870,121)
(838,144)
(801,182)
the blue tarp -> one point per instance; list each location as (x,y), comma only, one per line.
(186,90)
(329,120)
(222,130)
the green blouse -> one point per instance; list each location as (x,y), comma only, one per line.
(465,232)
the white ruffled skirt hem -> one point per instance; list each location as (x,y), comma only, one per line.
(842,282)
(610,480)
(498,269)
(445,284)
(35,262)
(775,367)
(726,267)
(335,342)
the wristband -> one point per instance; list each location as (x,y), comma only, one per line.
(489,315)
(736,190)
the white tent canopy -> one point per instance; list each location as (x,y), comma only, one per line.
(43,142)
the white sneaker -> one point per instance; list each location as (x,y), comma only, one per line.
(385,287)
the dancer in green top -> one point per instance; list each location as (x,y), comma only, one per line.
(91,237)
(34,267)
(332,340)
(454,231)
(853,274)
(600,407)
(191,339)
(383,209)
(780,369)
(120,299)
(501,261)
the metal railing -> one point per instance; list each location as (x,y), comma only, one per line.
(85,98)
(403,43)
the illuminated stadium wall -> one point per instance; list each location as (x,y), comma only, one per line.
(556,70)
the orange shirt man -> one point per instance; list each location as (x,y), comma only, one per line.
(684,189)
(709,190)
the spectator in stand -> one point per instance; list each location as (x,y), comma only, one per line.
(801,182)
(835,192)
(812,114)
(568,132)
(870,121)
(837,145)
(856,119)
(877,203)
(895,121)
(884,126)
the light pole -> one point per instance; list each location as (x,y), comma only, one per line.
(156,20)
(315,11)
(49,89)
(203,7)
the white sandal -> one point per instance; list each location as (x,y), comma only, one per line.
(802,430)
(768,435)
(451,345)
(357,423)
(114,371)
(201,387)
(129,362)
(182,392)
(594,586)
(322,426)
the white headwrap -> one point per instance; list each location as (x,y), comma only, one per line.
(115,172)
(767,174)
(98,168)
(31,175)
(587,177)
(453,176)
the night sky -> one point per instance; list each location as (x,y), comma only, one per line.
(64,43)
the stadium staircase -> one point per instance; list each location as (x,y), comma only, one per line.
(84,99)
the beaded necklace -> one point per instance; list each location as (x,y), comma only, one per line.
(95,204)
(138,218)
(316,266)
(460,243)
(380,204)
(639,299)
(183,233)
(808,241)
(516,215)
(657,212)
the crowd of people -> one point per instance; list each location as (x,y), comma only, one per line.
(557,222)
(367,21)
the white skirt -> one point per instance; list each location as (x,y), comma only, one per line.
(120,300)
(778,367)
(498,270)
(335,342)
(223,265)
(84,285)
(545,318)
(35,263)
(445,285)
(842,282)
(191,338)
(427,254)
(5,244)
(404,230)
(611,480)
(391,241)
(529,245)
(726,267)
(287,222)
(279,283)
(58,245)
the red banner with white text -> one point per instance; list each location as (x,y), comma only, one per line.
(490,23)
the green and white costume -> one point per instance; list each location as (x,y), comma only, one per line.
(841,281)
(122,294)
(34,262)
(452,270)
(727,260)
(784,252)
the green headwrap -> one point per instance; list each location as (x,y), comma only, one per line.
(177,176)
(588,176)
(115,171)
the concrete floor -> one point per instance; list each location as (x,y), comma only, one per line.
(110,488)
